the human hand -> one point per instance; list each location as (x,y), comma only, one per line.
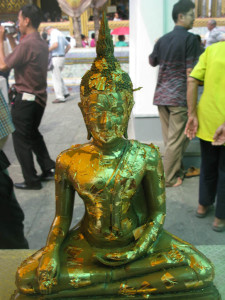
(191,127)
(48,270)
(219,136)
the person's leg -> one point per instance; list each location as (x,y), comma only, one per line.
(3,141)
(164,120)
(38,144)
(64,87)
(22,116)
(12,216)
(208,174)
(176,145)
(58,86)
(220,205)
(23,150)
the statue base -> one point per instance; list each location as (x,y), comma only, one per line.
(209,293)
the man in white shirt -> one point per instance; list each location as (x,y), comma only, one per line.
(59,46)
(213,35)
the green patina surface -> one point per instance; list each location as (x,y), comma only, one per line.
(11,259)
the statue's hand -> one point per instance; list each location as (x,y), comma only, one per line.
(117,258)
(48,271)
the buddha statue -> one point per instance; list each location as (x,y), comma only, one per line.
(119,249)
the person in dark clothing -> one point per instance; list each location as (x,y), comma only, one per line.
(6,76)
(11,214)
(30,66)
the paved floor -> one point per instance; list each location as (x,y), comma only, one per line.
(63,126)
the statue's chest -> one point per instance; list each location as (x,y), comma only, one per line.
(92,175)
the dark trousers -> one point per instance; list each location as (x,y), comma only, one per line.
(11,216)
(6,76)
(212,177)
(27,117)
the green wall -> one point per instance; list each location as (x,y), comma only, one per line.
(168,22)
(157,16)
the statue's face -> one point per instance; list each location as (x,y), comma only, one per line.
(107,116)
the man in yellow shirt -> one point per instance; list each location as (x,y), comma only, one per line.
(207,121)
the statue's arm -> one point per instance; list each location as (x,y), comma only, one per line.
(48,269)
(147,234)
(154,188)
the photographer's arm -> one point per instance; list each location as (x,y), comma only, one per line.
(11,41)
(3,66)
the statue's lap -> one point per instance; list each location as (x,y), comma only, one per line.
(78,261)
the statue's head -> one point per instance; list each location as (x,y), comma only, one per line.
(106,92)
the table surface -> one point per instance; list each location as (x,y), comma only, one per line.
(11,259)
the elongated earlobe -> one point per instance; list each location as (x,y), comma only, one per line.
(89,136)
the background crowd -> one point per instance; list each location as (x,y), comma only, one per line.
(180,72)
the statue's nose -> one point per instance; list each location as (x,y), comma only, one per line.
(104,118)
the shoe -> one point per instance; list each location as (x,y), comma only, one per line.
(191,172)
(36,185)
(218,228)
(67,95)
(48,175)
(58,101)
(218,225)
(205,211)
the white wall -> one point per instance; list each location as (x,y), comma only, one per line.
(149,20)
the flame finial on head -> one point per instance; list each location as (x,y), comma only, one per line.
(105,74)
(104,44)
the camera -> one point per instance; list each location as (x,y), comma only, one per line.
(10,28)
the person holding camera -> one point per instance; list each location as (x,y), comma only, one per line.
(30,60)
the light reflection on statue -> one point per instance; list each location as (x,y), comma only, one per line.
(119,247)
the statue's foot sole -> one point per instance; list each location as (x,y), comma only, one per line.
(209,293)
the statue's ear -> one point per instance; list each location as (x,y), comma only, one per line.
(125,133)
(128,113)
(89,136)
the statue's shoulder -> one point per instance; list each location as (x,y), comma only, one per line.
(149,155)
(66,156)
(149,149)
